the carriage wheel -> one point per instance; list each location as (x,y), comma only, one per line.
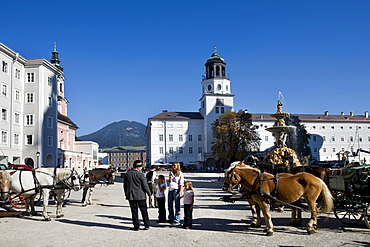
(367,216)
(348,213)
(17,201)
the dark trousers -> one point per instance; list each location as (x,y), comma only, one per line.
(161,208)
(188,216)
(153,189)
(135,205)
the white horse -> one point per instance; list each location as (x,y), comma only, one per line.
(44,180)
(5,182)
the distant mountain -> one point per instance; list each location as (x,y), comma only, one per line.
(120,133)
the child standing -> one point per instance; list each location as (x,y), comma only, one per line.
(188,205)
(161,199)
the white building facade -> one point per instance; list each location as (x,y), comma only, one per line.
(186,137)
(34,126)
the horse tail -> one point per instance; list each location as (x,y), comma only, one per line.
(327,198)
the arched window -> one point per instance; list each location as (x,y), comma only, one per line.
(218,71)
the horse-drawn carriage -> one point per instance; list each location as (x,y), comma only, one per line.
(351,191)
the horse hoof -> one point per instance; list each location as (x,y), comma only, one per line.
(47,219)
(60,216)
(269,234)
(311,232)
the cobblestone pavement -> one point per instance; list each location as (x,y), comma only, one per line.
(107,223)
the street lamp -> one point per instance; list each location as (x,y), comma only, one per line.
(37,158)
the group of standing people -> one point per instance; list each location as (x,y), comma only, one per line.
(137,186)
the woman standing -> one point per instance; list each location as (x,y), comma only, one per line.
(175,190)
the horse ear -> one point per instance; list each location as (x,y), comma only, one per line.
(12,172)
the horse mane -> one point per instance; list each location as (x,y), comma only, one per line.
(241,165)
(63,173)
(5,175)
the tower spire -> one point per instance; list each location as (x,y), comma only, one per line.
(55,57)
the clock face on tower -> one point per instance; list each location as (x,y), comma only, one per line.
(209,87)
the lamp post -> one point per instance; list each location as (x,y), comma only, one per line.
(37,158)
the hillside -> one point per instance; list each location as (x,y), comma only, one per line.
(120,133)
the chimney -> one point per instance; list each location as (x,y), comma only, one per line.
(326,113)
(342,113)
(351,113)
(366,114)
(164,110)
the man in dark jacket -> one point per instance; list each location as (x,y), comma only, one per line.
(136,188)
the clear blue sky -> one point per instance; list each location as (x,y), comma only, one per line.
(129,60)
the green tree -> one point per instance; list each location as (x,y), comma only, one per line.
(234,136)
(300,140)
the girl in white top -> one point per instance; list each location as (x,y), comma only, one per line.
(161,199)
(176,183)
(188,205)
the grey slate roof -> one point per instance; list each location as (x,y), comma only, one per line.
(177,115)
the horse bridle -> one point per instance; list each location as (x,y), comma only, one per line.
(230,178)
(72,177)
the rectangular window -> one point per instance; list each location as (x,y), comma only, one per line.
(360,138)
(161,138)
(199,138)
(190,150)
(49,101)
(29,120)
(161,150)
(16,117)
(50,122)
(351,138)
(190,138)
(181,150)
(30,77)
(333,138)
(222,110)
(29,97)
(17,95)
(181,138)
(266,138)
(50,80)
(5,67)
(50,141)
(199,150)
(29,140)
(4,90)
(333,150)
(324,150)
(217,110)
(315,150)
(17,74)
(171,150)
(170,138)
(4,114)
(342,138)
(16,139)
(4,137)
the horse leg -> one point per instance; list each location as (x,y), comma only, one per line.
(60,200)
(265,207)
(256,213)
(312,223)
(84,192)
(89,198)
(45,202)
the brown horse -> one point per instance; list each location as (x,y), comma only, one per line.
(296,217)
(94,177)
(289,189)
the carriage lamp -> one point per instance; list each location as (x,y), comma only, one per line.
(37,158)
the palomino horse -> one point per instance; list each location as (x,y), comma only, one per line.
(265,189)
(5,182)
(44,180)
(296,217)
(94,177)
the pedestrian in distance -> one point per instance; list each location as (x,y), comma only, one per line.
(161,199)
(188,205)
(175,190)
(136,188)
(150,177)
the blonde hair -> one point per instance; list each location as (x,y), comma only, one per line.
(176,171)
(190,184)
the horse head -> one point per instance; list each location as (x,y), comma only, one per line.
(69,177)
(5,183)
(231,178)
(110,176)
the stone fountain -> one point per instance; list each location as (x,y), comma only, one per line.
(281,154)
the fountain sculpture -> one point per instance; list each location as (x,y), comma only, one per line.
(281,154)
